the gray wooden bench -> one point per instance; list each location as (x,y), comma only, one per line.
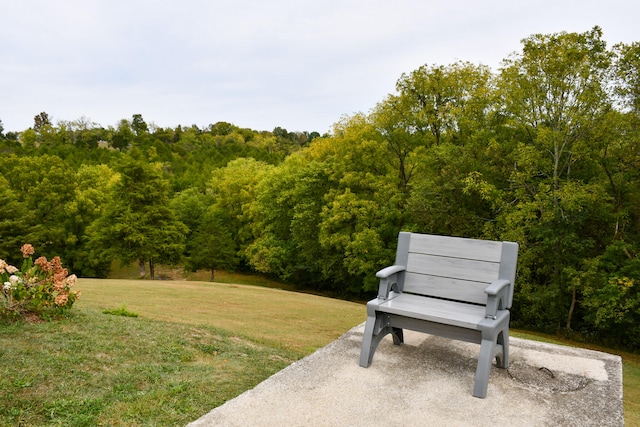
(448,286)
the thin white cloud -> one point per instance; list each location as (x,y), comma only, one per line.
(260,64)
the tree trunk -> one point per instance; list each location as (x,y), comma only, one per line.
(143,273)
(572,308)
(152,269)
(213,271)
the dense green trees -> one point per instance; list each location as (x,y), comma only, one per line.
(213,246)
(544,152)
(138,223)
(14,223)
(554,93)
(42,185)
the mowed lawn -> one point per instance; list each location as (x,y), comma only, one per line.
(193,346)
(298,321)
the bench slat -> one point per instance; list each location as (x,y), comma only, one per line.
(445,287)
(435,310)
(456,247)
(455,268)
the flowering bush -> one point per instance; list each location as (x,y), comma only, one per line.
(42,287)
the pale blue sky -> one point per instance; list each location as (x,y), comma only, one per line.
(259,64)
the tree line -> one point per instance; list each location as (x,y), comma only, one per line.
(544,152)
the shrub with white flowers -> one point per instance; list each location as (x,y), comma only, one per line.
(41,287)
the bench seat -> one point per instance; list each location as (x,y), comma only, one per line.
(435,310)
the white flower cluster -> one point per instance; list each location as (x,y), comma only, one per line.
(13,279)
(12,283)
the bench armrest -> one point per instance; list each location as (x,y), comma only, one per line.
(389,280)
(497,294)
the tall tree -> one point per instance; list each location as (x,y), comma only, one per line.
(91,196)
(554,92)
(41,120)
(610,280)
(284,220)
(138,125)
(234,190)
(213,245)
(437,100)
(190,205)
(123,136)
(138,223)
(439,136)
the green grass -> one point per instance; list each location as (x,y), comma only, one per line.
(631,376)
(194,346)
(120,311)
(95,369)
(300,322)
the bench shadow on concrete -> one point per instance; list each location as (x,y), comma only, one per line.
(428,382)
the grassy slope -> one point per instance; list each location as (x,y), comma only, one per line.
(194,346)
(97,369)
(292,320)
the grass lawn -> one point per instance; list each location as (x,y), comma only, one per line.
(193,346)
(296,321)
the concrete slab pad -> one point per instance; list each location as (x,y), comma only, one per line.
(428,382)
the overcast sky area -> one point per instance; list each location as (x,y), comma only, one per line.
(259,64)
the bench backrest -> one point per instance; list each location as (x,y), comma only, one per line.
(453,267)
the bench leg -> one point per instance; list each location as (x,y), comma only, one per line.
(493,345)
(373,334)
(398,336)
(485,359)
(502,358)
(368,345)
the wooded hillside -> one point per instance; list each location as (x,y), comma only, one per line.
(544,152)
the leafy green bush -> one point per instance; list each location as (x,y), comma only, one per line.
(41,288)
